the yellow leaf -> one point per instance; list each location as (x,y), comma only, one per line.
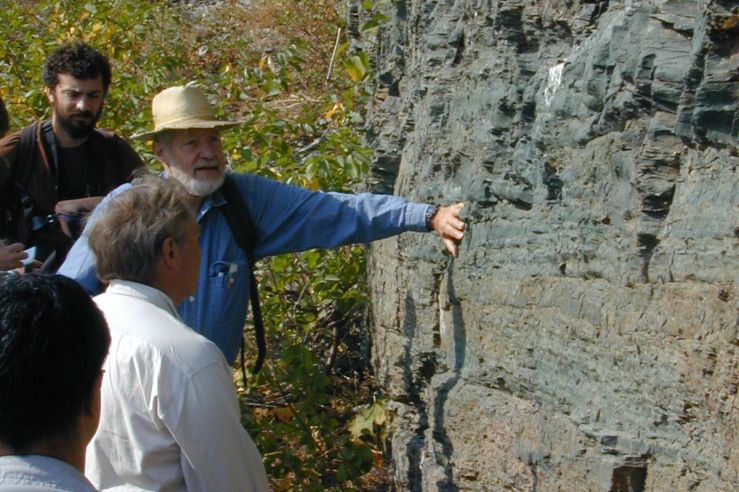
(283,484)
(285,414)
(311,184)
(331,112)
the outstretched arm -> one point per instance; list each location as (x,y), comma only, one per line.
(449,226)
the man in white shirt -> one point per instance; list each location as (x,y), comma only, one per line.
(53,341)
(170,416)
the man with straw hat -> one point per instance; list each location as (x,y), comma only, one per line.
(187,141)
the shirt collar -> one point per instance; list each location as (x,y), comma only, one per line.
(144,292)
(215,199)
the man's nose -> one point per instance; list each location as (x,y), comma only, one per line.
(83,103)
(208,150)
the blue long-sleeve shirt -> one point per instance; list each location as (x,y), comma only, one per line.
(288,219)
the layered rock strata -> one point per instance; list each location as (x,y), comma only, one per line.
(586,336)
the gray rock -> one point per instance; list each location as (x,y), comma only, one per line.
(586,337)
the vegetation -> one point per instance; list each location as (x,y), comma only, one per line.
(269,66)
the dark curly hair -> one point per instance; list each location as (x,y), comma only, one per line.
(78,60)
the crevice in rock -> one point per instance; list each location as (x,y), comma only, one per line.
(384,173)
(437,337)
(353,21)
(528,111)
(459,349)
(644,79)
(646,244)
(553,183)
(521,205)
(657,206)
(534,479)
(401,9)
(629,478)
(656,174)
(413,388)
(684,126)
(509,24)
(389,83)
(459,46)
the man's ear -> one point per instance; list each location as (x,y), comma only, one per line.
(161,154)
(158,149)
(49,94)
(170,253)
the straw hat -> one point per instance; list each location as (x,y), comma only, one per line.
(182,108)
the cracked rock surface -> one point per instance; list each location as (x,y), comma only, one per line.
(586,337)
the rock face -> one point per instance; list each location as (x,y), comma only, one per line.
(586,336)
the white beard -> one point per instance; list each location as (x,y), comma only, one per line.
(195,187)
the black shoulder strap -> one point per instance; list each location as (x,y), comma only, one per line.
(22,171)
(27,148)
(243,228)
(245,232)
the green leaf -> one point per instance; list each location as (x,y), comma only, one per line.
(357,66)
(152,45)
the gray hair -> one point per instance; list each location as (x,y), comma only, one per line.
(127,240)
(164,138)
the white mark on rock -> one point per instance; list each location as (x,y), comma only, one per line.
(553,81)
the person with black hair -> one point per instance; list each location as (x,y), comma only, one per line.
(62,167)
(11,255)
(53,342)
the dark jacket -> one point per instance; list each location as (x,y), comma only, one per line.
(114,162)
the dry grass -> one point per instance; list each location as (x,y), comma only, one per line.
(242,35)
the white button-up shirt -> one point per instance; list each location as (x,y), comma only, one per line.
(170,417)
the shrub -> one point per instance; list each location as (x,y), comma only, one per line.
(267,65)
